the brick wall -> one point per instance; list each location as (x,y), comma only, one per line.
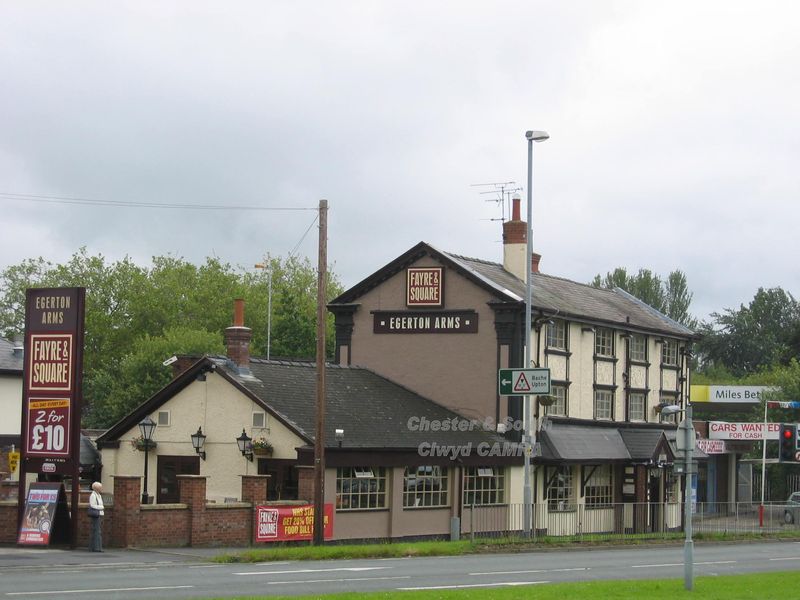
(193,522)
(305,483)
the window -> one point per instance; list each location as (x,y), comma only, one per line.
(603,404)
(672,488)
(560,495)
(559,407)
(557,335)
(669,352)
(638,348)
(259,420)
(163,418)
(636,406)
(484,486)
(604,342)
(668,400)
(425,486)
(357,490)
(598,490)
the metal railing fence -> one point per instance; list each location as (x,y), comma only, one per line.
(661,520)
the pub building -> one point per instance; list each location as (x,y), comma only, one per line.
(442,325)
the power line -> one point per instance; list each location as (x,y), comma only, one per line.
(316,217)
(135,204)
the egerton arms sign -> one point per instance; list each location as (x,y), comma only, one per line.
(53,357)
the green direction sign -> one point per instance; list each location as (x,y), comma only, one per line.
(521,382)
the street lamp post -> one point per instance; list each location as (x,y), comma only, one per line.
(146,427)
(686,428)
(527,437)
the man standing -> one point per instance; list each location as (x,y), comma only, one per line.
(96,511)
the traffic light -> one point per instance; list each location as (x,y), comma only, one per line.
(788,442)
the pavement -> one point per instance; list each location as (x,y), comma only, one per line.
(18,557)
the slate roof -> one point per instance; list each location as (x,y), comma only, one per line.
(551,295)
(373,411)
(9,362)
(566,440)
(559,296)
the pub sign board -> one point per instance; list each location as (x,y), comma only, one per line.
(54,320)
(424,287)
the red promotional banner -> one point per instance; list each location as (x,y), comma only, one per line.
(290,523)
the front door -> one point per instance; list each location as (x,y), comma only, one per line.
(169,467)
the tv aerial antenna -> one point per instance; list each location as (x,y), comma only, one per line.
(501,192)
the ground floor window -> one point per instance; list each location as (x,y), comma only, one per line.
(560,490)
(484,486)
(425,486)
(598,492)
(360,488)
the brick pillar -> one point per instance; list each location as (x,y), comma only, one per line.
(192,489)
(254,489)
(305,483)
(125,518)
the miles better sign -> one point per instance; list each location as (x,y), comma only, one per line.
(521,382)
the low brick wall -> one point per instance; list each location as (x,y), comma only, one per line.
(193,522)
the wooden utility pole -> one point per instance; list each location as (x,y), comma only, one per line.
(319,438)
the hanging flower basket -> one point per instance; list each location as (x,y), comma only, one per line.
(261,447)
(140,444)
(547,400)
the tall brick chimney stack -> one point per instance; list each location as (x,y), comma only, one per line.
(515,243)
(237,339)
(515,240)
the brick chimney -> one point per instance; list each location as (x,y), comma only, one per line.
(237,339)
(515,240)
(515,243)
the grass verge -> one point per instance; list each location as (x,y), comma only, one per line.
(445,548)
(761,586)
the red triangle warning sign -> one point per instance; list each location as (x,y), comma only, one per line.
(522,385)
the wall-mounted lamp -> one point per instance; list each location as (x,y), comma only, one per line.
(198,442)
(244,442)
(339,434)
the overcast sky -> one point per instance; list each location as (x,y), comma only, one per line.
(675,132)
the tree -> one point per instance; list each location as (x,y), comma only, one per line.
(671,297)
(136,317)
(141,371)
(752,337)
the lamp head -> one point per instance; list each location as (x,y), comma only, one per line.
(537,136)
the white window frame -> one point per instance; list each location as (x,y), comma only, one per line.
(669,353)
(561,490)
(638,354)
(484,486)
(604,397)
(604,342)
(599,490)
(358,492)
(635,397)
(426,487)
(264,421)
(168,414)
(556,335)
(559,407)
